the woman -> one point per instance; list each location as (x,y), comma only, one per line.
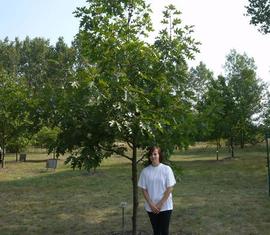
(157,181)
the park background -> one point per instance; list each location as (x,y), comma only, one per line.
(96,104)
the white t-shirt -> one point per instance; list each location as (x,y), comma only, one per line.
(156,179)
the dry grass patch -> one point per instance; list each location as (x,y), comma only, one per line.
(214,197)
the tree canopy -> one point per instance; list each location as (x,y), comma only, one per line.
(259,11)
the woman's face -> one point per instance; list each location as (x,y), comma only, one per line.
(154,157)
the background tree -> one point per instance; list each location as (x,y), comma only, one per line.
(199,80)
(46,69)
(58,73)
(266,112)
(259,11)
(47,138)
(17,144)
(231,105)
(34,57)
(10,56)
(246,93)
(213,109)
(14,116)
(61,64)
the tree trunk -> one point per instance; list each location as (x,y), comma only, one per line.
(242,139)
(232,147)
(3,156)
(16,156)
(217,148)
(135,190)
(3,149)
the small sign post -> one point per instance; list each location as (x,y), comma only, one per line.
(123,205)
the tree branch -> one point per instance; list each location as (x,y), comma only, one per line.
(115,151)
(130,13)
(125,156)
(129,144)
(140,159)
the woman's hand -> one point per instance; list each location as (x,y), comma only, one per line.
(159,205)
(154,208)
(166,194)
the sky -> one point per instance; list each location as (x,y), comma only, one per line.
(220,25)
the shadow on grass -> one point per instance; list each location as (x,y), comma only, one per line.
(27,161)
(70,202)
(66,202)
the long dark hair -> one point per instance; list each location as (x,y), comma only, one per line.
(151,150)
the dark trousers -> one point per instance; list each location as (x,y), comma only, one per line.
(160,222)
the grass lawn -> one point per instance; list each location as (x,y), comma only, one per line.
(213,197)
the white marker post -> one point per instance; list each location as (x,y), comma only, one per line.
(123,205)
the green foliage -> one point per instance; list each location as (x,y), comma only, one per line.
(61,64)
(199,81)
(213,111)
(246,91)
(230,107)
(37,62)
(47,138)
(34,61)
(35,74)
(259,11)
(266,111)
(10,56)
(17,143)
(14,116)
(87,158)
(128,90)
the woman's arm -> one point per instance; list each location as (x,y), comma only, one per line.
(149,201)
(164,198)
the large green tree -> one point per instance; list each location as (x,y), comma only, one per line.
(126,90)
